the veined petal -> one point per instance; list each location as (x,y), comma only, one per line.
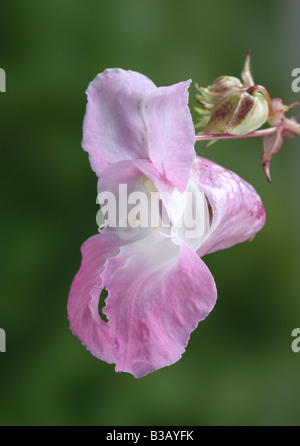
(170,131)
(155,301)
(237,210)
(113,128)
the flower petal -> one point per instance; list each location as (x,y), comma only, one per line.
(171,134)
(128,117)
(113,128)
(157,294)
(155,301)
(189,215)
(128,181)
(237,210)
(85,322)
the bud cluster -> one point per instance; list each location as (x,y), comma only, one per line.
(234,108)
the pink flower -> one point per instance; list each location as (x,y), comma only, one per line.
(158,287)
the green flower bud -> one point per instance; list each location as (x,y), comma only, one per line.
(232,106)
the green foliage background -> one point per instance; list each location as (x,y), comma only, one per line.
(239,367)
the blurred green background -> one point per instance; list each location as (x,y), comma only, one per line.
(239,368)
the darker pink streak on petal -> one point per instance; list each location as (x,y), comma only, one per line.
(238,213)
(113,129)
(155,301)
(84,318)
(171,134)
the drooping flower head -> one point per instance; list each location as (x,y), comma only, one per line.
(140,138)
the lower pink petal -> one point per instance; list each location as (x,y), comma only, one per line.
(157,294)
(84,318)
(170,132)
(155,301)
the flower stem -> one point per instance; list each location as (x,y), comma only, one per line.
(293,126)
(264,132)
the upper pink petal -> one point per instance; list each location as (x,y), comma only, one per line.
(156,299)
(237,210)
(129,118)
(113,128)
(171,133)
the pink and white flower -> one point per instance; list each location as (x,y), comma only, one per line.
(158,287)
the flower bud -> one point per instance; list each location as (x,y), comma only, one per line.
(232,106)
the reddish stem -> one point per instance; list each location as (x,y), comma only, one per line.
(292,126)
(264,132)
